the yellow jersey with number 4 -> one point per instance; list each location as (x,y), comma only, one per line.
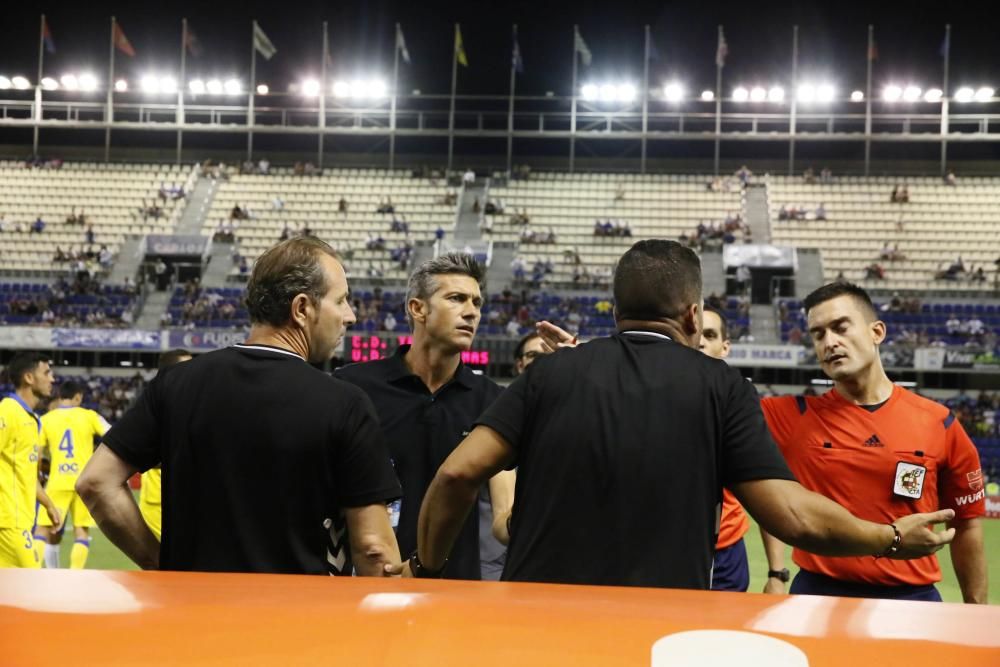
(20,440)
(69,434)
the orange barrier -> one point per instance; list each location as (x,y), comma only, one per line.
(159,618)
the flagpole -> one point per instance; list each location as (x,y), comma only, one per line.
(322,98)
(944,100)
(572,109)
(718,100)
(109,116)
(794,93)
(645,104)
(451,110)
(392,109)
(180,89)
(253,88)
(38,86)
(868,100)
(510,107)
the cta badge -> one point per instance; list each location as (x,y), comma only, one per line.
(909,481)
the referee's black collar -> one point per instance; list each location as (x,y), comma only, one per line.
(397,369)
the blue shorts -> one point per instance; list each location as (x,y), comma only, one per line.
(731,572)
(810,583)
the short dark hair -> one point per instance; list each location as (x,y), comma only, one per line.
(422,284)
(23,363)
(69,388)
(521,344)
(835,289)
(288,269)
(723,322)
(171,357)
(656,279)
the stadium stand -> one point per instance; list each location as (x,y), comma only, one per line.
(116,200)
(569,205)
(938,224)
(281,198)
(84,302)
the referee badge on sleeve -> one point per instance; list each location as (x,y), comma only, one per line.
(909,481)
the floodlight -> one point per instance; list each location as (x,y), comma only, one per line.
(672,92)
(310,88)
(168,84)
(911,93)
(892,93)
(341,89)
(69,82)
(608,92)
(984,94)
(589,92)
(933,95)
(88,82)
(263,89)
(5,83)
(214,87)
(233,87)
(806,93)
(121,85)
(625,92)
(857,96)
(707,96)
(196,86)
(758,94)
(149,84)
(740,94)
(825,93)
(21,83)
(964,94)
(776,94)
(377,89)
(48,83)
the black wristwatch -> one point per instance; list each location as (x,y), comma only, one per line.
(781,575)
(421,572)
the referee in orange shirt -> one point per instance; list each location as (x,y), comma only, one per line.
(881,452)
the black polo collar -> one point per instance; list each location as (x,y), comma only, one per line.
(397,370)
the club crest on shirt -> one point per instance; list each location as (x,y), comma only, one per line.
(909,481)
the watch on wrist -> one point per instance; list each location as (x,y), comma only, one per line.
(781,575)
(421,572)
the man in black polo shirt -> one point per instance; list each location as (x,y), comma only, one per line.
(427,401)
(266,460)
(623,445)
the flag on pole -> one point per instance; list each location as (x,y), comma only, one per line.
(121,41)
(873,51)
(401,45)
(460,48)
(191,42)
(515,59)
(654,53)
(722,50)
(50,45)
(580,46)
(262,43)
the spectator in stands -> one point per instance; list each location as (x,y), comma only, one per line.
(160,271)
(129,286)
(821,211)
(264,166)
(469,177)
(342,206)
(38,226)
(390,322)
(743,278)
(439,234)
(620,193)
(277,203)
(450,198)
(518,269)
(783,213)
(286,233)
(385,206)
(809,176)
(104,257)
(977,276)
(826,176)
(949,179)
(244,266)
(874,271)
(744,175)
(475,205)
(89,234)
(375,242)
(894,197)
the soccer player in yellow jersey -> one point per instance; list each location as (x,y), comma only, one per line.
(20,439)
(149,492)
(70,432)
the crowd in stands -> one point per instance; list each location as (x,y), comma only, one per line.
(612,228)
(802,212)
(81,302)
(956,271)
(714,233)
(192,306)
(39,162)
(900,194)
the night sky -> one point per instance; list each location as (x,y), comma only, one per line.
(832,41)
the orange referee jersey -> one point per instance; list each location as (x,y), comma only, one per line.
(910,455)
(734,523)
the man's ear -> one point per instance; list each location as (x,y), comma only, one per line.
(878,332)
(691,320)
(301,310)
